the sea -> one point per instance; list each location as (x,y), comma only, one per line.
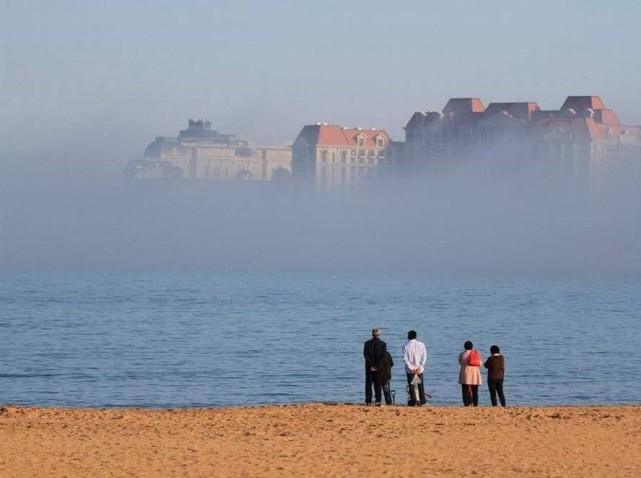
(218,339)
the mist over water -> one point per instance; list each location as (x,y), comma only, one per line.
(67,210)
(64,213)
(125,294)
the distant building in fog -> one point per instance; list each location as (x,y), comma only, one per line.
(334,158)
(582,142)
(583,139)
(202,153)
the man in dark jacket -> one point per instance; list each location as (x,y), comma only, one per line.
(374,353)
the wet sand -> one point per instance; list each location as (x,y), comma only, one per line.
(322,440)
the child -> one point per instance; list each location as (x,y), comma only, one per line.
(495,365)
(388,363)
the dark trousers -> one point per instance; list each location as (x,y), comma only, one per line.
(421,391)
(470,395)
(387,391)
(375,378)
(496,386)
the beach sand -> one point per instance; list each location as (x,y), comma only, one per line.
(322,440)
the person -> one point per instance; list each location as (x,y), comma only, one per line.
(469,376)
(495,365)
(415,357)
(388,363)
(374,353)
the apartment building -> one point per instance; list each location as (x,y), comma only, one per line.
(199,152)
(327,157)
(583,139)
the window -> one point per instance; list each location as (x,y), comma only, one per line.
(344,157)
(360,140)
(380,142)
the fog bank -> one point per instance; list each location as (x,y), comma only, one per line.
(67,211)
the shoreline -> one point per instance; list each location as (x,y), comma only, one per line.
(313,439)
(300,404)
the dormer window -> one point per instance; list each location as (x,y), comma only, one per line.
(380,141)
(360,141)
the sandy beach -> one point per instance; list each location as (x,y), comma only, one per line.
(322,440)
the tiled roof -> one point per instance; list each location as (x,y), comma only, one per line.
(575,129)
(421,118)
(463,105)
(606,117)
(518,110)
(581,118)
(160,145)
(334,135)
(463,112)
(579,103)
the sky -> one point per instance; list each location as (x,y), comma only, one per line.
(87,85)
(126,71)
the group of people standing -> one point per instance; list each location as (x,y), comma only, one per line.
(378,369)
(379,363)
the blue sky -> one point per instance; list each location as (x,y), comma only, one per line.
(129,70)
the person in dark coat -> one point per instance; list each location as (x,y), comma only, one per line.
(374,353)
(495,365)
(388,363)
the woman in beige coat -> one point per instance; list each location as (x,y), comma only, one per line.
(469,376)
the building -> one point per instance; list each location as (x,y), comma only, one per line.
(583,139)
(587,140)
(199,152)
(334,158)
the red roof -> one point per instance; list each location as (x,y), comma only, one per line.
(518,110)
(575,129)
(606,117)
(579,103)
(335,135)
(463,105)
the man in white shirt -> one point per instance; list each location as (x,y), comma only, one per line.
(415,356)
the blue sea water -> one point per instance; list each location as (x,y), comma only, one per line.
(192,339)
